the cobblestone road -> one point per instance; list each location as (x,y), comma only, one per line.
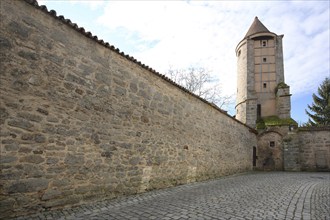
(276,195)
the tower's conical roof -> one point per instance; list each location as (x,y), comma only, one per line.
(256,27)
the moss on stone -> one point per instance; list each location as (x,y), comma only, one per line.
(287,139)
(260,124)
(274,121)
(281,85)
(314,128)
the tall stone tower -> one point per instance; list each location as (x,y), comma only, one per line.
(261,90)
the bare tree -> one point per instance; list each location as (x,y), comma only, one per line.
(200,82)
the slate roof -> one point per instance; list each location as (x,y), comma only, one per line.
(111,47)
(256,27)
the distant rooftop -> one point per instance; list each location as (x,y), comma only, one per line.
(256,27)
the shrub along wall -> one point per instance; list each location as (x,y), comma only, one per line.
(81,122)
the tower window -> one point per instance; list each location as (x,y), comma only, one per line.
(264,59)
(271,143)
(264,43)
(258,111)
(265,85)
(239,52)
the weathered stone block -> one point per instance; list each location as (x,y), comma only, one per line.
(134,161)
(62,201)
(52,119)
(51,194)
(65,131)
(103,77)
(125,145)
(103,90)
(21,123)
(119,82)
(38,151)
(28,55)
(28,185)
(144,94)
(108,147)
(12,147)
(133,87)
(7,141)
(120,91)
(95,138)
(52,160)
(74,159)
(35,80)
(7,159)
(32,159)
(18,29)
(53,58)
(42,111)
(39,138)
(27,136)
(107,154)
(61,182)
(3,115)
(82,189)
(24,149)
(79,91)
(6,204)
(20,85)
(85,70)
(72,78)
(5,43)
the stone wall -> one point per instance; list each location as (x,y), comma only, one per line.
(307,149)
(315,149)
(81,121)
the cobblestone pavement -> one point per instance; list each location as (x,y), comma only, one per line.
(256,195)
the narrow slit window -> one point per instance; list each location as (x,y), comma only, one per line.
(258,111)
(264,59)
(265,85)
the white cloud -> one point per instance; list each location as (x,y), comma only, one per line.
(206,34)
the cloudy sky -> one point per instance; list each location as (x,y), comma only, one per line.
(182,34)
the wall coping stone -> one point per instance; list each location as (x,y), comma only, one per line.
(321,128)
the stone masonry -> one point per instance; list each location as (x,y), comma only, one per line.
(307,149)
(81,121)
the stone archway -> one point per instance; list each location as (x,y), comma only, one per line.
(270,151)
